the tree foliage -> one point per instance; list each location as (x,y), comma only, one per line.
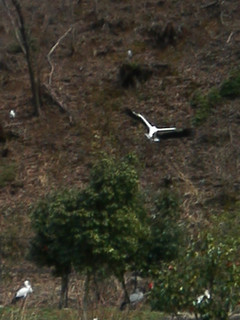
(210,262)
(166,229)
(119,220)
(55,219)
(97,228)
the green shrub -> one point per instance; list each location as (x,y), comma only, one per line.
(200,103)
(213,97)
(210,262)
(7,173)
(14,48)
(166,231)
(204,104)
(231,87)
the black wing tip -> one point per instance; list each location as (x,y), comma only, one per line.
(179,133)
(187,132)
(131,113)
(128,111)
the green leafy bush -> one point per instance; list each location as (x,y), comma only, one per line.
(14,48)
(231,87)
(114,201)
(204,104)
(210,262)
(166,229)
(8,171)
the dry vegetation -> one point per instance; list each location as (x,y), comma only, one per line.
(186,46)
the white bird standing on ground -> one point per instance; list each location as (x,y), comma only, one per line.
(12,114)
(156,134)
(206,295)
(136,297)
(129,54)
(23,292)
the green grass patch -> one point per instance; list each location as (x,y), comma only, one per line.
(25,313)
(231,87)
(16,313)
(205,104)
(14,48)
(8,171)
(106,96)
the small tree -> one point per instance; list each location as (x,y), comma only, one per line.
(117,221)
(54,219)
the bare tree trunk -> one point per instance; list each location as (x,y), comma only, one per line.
(127,300)
(97,292)
(64,291)
(85,297)
(34,84)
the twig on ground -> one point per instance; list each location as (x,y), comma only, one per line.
(213,3)
(230,37)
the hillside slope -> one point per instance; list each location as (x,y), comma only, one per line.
(185,46)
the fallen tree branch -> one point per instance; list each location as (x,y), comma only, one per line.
(211,4)
(51,51)
(230,37)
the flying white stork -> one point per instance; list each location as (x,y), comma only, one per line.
(23,292)
(156,134)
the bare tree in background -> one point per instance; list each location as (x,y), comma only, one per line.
(41,88)
(20,28)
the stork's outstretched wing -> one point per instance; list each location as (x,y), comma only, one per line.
(179,133)
(138,116)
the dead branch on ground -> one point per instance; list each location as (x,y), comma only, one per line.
(230,37)
(211,4)
(51,51)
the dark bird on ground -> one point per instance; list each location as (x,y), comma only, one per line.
(134,298)
(23,292)
(156,134)
(137,296)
